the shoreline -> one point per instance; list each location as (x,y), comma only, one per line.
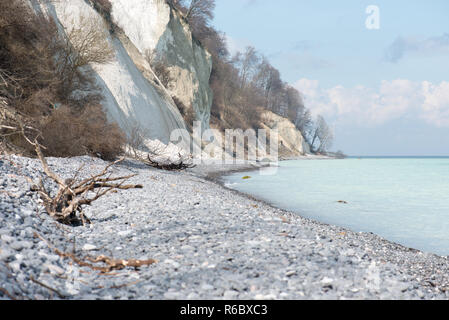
(218,178)
(210,242)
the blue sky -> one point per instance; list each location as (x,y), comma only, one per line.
(385,91)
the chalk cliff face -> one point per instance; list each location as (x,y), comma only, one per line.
(291,141)
(155,28)
(133,96)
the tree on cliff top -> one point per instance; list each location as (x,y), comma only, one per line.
(200,8)
(323,134)
(245,84)
(198,13)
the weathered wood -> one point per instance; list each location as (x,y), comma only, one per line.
(66,205)
(178,166)
(101,263)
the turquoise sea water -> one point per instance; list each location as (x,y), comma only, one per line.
(405,200)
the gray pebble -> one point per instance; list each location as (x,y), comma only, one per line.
(223,248)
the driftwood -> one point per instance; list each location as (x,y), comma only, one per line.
(182,164)
(156,154)
(66,205)
(102,264)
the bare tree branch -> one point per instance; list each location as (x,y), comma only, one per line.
(66,205)
(101,263)
(182,164)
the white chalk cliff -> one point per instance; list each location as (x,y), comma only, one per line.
(133,96)
(292,142)
(152,26)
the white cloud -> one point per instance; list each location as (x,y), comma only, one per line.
(392,100)
(436,103)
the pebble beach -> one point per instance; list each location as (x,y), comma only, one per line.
(208,242)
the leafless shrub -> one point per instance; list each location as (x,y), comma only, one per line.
(163,73)
(73,194)
(16,131)
(86,43)
(28,45)
(40,70)
(70,133)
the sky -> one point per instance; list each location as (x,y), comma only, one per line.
(380,78)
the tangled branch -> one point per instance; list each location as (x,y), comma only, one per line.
(182,164)
(66,205)
(102,264)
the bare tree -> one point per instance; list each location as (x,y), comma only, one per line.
(13,124)
(326,140)
(294,103)
(199,9)
(304,123)
(268,79)
(246,62)
(174,3)
(198,13)
(322,134)
(86,42)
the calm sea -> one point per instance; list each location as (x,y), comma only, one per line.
(403,199)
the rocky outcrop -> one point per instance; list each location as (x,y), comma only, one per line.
(158,30)
(133,95)
(130,98)
(291,140)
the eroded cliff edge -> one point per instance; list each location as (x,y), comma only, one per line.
(134,96)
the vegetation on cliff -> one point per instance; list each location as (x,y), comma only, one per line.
(245,84)
(46,81)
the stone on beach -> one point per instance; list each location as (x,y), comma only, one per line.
(224,248)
